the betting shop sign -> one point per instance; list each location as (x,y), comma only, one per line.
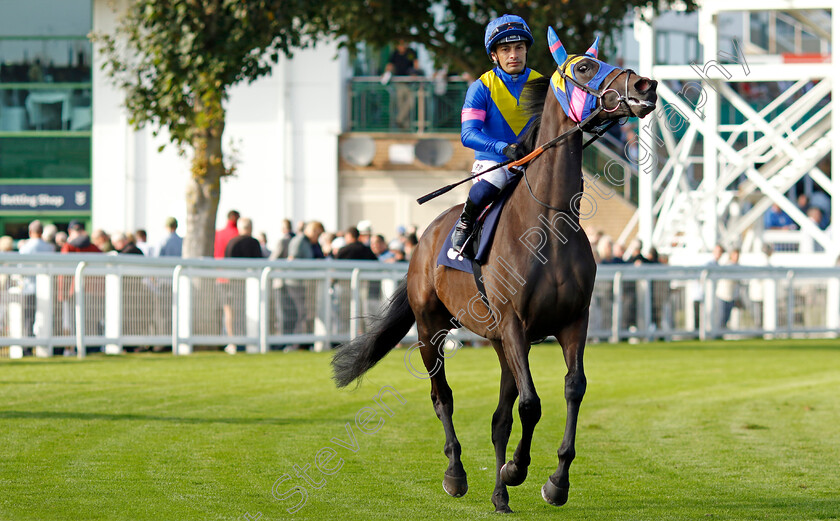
(44,198)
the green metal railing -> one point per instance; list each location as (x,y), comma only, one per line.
(405,105)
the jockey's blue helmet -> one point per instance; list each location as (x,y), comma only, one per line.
(506,29)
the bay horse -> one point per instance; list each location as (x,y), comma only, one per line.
(538,277)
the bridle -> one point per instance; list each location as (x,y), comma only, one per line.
(580,125)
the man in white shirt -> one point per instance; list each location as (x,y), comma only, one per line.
(34,245)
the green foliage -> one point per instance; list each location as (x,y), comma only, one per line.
(177,59)
(453,30)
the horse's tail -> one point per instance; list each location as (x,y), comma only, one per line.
(356,357)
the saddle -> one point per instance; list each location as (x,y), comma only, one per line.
(478,245)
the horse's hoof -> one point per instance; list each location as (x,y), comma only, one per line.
(500,501)
(555,495)
(455,486)
(511,475)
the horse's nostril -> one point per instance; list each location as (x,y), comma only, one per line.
(643,85)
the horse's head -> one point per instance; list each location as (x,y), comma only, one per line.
(587,87)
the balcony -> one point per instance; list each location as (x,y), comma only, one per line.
(405,105)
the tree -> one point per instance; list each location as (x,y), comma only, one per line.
(453,30)
(176,61)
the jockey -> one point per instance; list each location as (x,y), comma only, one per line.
(491,122)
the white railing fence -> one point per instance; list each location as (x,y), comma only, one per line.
(83,302)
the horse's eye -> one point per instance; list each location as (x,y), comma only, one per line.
(582,68)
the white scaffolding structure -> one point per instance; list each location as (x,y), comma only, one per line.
(704,182)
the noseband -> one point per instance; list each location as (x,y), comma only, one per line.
(599,94)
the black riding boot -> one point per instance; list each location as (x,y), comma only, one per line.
(465,225)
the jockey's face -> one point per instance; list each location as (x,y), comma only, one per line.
(510,57)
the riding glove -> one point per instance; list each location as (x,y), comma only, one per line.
(514,151)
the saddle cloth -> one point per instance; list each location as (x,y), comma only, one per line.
(486,225)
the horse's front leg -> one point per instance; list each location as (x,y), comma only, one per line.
(516,348)
(502,424)
(573,340)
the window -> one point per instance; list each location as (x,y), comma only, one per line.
(45,101)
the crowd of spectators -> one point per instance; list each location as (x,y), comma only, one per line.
(320,244)
(292,299)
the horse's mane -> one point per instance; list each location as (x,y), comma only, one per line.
(532,101)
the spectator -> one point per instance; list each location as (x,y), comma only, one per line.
(410,244)
(380,248)
(336,244)
(698,292)
(220,242)
(135,297)
(594,238)
(124,244)
(728,291)
(353,248)
(633,255)
(325,241)
(776,219)
(823,202)
(605,251)
(403,62)
(631,143)
(34,245)
(101,240)
(7,245)
(60,240)
(263,240)
(364,228)
(243,245)
(140,240)
(651,256)
(618,252)
(172,245)
(297,309)
(224,235)
(397,251)
(816,216)
(78,241)
(281,249)
(803,203)
(50,232)
(755,288)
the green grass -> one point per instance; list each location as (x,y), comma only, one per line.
(734,430)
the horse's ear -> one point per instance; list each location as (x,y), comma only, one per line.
(556,48)
(593,49)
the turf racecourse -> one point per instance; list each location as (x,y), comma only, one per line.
(668,431)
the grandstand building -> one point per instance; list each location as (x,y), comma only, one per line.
(741,126)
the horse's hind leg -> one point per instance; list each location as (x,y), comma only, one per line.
(573,340)
(516,348)
(432,334)
(502,423)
